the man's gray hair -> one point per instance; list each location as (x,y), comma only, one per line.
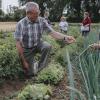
(32,5)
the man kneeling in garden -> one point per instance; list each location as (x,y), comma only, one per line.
(28,37)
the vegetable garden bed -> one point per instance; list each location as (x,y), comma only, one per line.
(73,72)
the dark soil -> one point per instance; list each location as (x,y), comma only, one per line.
(60,92)
(10,87)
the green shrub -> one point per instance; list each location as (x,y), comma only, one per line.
(35,92)
(51,74)
(9,61)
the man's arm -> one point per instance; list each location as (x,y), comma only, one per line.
(19,48)
(17,36)
(20,51)
(59,36)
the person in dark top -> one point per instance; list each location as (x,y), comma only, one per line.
(85,27)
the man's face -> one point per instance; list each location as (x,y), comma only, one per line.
(33,15)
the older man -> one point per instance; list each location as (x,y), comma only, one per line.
(28,36)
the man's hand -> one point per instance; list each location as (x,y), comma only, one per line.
(95,46)
(69,39)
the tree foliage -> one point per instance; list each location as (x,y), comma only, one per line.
(55,7)
(75,8)
(93,7)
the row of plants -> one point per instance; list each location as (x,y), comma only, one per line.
(10,68)
(52,74)
(85,68)
(49,76)
(10,64)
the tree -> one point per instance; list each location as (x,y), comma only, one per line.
(55,7)
(75,8)
(1,15)
(19,14)
(93,7)
(1,12)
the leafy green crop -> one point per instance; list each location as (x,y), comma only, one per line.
(35,92)
(10,64)
(51,74)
